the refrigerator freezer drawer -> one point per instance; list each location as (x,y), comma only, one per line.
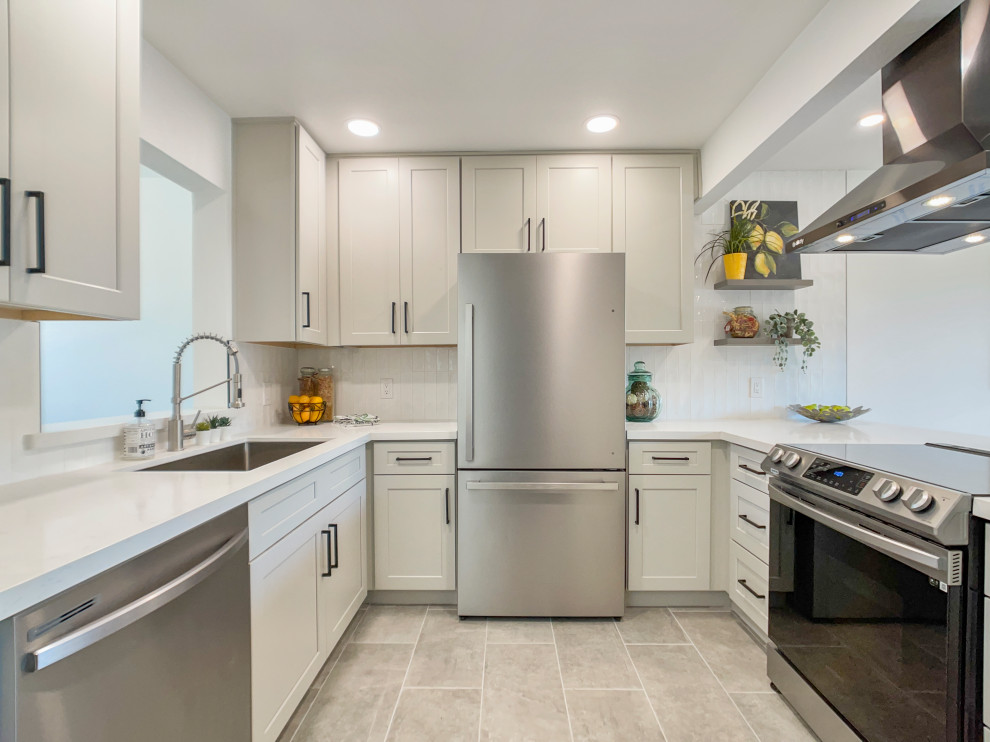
(541,543)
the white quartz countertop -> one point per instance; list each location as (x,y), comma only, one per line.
(60,530)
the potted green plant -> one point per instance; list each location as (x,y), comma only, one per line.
(203,434)
(732,245)
(223,424)
(781,326)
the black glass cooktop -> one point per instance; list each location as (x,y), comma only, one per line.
(965,471)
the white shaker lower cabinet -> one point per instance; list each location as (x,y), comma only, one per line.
(749,530)
(414,532)
(306,586)
(653,224)
(669,532)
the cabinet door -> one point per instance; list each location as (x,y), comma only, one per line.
(287,646)
(429,218)
(573,203)
(74,115)
(669,532)
(653,224)
(498,198)
(4,152)
(311,240)
(369,251)
(345,587)
(414,532)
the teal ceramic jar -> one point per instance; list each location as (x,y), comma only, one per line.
(643,402)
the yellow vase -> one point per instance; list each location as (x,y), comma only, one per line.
(735,266)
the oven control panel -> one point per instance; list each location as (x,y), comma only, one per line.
(837,476)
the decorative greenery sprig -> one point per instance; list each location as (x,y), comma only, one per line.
(729,241)
(781,325)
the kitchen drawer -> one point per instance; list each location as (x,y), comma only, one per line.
(412,457)
(744,463)
(277,512)
(746,571)
(670,457)
(750,525)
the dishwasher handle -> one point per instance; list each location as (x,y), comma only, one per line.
(124,616)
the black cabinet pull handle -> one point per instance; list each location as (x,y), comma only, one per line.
(745,519)
(543,226)
(414,458)
(5,215)
(751,470)
(637,506)
(40,196)
(336,547)
(328,534)
(306,294)
(671,458)
(446,504)
(393,317)
(405,316)
(755,594)
(529,234)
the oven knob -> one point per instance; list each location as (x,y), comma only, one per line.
(887,490)
(776,455)
(918,501)
(791,460)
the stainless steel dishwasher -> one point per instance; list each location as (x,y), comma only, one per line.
(157,649)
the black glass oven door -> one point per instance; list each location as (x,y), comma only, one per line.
(871,633)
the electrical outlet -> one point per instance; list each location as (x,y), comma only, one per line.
(386,389)
(756,387)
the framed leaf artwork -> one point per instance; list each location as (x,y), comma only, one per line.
(774,222)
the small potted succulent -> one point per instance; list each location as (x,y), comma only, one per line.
(224,426)
(203,434)
(733,246)
(214,422)
(783,326)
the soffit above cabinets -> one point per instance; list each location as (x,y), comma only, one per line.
(446,75)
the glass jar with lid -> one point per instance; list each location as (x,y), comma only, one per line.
(307,381)
(643,402)
(742,323)
(323,387)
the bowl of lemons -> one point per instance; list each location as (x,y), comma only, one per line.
(307,410)
(828,413)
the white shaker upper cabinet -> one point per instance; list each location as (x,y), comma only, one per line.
(4,153)
(573,203)
(498,198)
(74,124)
(369,251)
(429,211)
(311,241)
(652,223)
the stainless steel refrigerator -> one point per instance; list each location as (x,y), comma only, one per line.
(541,496)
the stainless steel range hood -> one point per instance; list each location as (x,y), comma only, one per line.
(931,195)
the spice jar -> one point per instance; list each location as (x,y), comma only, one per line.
(742,323)
(307,382)
(323,384)
(643,402)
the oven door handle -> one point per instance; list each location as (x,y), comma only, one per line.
(932,564)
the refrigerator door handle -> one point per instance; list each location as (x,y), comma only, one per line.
(546,486)
(469,376)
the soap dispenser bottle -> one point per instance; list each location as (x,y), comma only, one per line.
(140,436)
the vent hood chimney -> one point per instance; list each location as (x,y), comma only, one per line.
(932,192)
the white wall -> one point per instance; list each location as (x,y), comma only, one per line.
(919,340)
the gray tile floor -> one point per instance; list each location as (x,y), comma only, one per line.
(419,673)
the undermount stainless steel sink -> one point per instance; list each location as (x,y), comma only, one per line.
(238,457)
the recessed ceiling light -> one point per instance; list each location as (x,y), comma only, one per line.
(601,124)
(363,127)
(873,119)
(844,239)
(939,201)
(974,238)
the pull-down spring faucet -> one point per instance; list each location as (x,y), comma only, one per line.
(176,430)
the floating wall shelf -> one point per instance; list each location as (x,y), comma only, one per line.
(754,341)
(764,284)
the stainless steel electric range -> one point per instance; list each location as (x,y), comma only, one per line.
(875,581)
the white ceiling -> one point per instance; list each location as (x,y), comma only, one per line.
(836,141)
(477,75)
